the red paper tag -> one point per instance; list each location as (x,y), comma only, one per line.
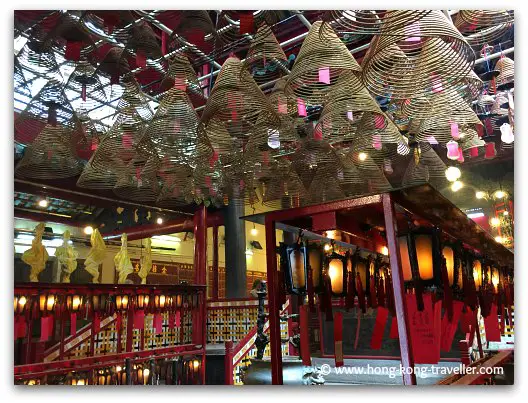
(158,323)
(301,107)
(164,40)
(126,141)
(141,60)
(172,320)
(139,319)
(73,51)
(20,327)
(83,92)
(394,328)
(96,323)
(73,324)
(178,318)
(305,339)
(338,339)
(197,38)
(46,327)
(246,23)
(449,327)
(422,330)
(491,324)
(379,328)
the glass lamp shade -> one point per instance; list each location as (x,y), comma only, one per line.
(336,267)
(449,256)
(295,274)
(477,273)
(74,302)
(405,260)
(495,277)
(424,253)
(161,301)
(121,302)
(142,301)
(21,302)
(315,265)
(179,300)
(99,302)
(47,302)
(362,267)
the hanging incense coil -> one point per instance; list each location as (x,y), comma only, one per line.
(425,167)
(104,176)
(470,139)
(325,185)
(139,181)
(50,156)
(234,106)
(282,186)
(107,21)
(114,64)
(20,86)
(229,25)
(318,65)
(364,158)
(193,24)
(36,58)
(134,97)
(176,180)
(281,102)
(49,106)
(425,57)
(180,74)
(142,40)
(371,22)
(87,85)
(481,27)
(173,130)
(349,177)
(265,59)
(500,105)
(506,76)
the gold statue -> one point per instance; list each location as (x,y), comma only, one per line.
(95,256)
(37,255)
(66,257)
(146,262)
(122,261)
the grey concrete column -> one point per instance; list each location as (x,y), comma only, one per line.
(235,251)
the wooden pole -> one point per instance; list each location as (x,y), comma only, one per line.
(404,335)
(215,262)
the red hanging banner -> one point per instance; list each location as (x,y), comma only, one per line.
(158,323)
(164,40)
(338,339)
(351,291)
(422,329)
(46,327)
(466,320)
(96,323)
(139,319)
(379,328)
(246,23)
(73,50)
(20,327)
(305,339)
(178,318)
(73,324)
(394,328)
(491,324)
(449,326)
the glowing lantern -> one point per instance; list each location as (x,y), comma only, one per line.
(295,263)
(336,267)
(449,255)
(21,302)
(74,302)
(452,174)
(47,302)
(121,302)
(315,266)
(142,301)
(477,273)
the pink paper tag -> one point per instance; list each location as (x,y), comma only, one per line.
(318,133)
(432,140)
(473,152)
(454,130)
(94,144)
(460,155)
(126,141)
(350,115)
(179,83)
(301,107)
(376,141)
(177,127)
(379,122)
(324,75)
(437,83)
(413,32)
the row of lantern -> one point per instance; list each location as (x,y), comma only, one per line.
(46,302)
(427,263)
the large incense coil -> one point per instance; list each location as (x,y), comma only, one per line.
(193,22)
(133,96)
(36,58)
(372,22)
(114,64)
(173,129)
(483,26)
(102,177)
(235,104)
(50,156)
(426,167)
(265,59)
(501,98)
(470,139)
(49,106)
(228,26)
(176,179)
(107,22)
(181,74)
(368,162)
(325,185)
(282,184)
(88,86)
(142,40)
(506,76)
(281,102)
(426,56)
(319,59)
(139,181)
(486,17)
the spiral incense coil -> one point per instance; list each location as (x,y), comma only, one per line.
(142,40)
(107,22)
(114,64)
(35,58)
(20,83)
(427,167)
(368,162)
(485,100)
(265,59)
(435,104)
(88,85)
(501,98)
(228,28)
(174,178)
(470,138)
(103,177)
(50,156)
(180,74)
(325,185)
(481,27)
(194,22)
(318,65)
(139,181)
(281,102)
(49,106)
(173,130)
(372,22)
(486,17)
(235,105)
(506,76)
(282,184)
(425,57)
(134,97)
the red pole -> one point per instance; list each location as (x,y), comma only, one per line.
(404,335)
(228,365)
(200,277)
(215,262)
(273,304)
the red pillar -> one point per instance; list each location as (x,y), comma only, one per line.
(404,335)
(200,278)
(273,303)
(215,262)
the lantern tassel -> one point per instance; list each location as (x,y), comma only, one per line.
(371,297)
(360,293)
(381,293)
(73,324)
(351,291)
